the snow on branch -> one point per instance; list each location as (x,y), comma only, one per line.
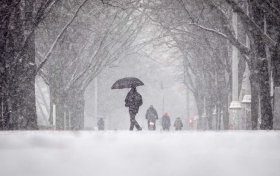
(229,30)
(59,37)
(210,30)
(105,2)
(39,17)
(256,29)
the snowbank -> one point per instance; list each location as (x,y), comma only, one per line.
(123,153)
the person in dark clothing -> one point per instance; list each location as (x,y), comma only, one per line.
(178,124)
(133,101)
(166,122)
(152,116)
(101,124)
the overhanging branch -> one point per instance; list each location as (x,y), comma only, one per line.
(46,58)
(210,30)
(255,28)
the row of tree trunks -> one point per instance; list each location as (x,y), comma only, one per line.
(274,28)
(69,108)
(213,92)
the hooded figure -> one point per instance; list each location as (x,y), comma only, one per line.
(166,122)
(133,101)
(152,116)
(178,124)
(101,124)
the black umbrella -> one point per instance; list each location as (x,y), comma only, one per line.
(127,82)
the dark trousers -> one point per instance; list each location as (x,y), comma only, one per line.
(133,122)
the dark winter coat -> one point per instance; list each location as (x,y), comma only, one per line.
(166,121)
(133,100)
(101,124)
(178,124)
(151,114)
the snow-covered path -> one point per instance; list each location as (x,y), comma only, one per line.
(124,153)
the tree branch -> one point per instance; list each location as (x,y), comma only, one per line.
(211,30)
(250,23)
(59,37)
(269,8)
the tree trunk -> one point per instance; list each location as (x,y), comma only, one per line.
(210,119)
(275,60)
(222,90)
(218,117)
(225,114)
(18,71)
(4,18)
(76,104)
(254,100)
(209,111)
(262,69)
(27,77)
(199,105)
(266,108)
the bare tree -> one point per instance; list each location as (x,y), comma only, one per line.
(92,42)
(19,19)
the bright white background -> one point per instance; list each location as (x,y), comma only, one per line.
(124,153)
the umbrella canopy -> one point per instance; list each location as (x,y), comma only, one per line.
(127,82)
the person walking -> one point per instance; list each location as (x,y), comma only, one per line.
(133,101)
(151,116)
(166,122)
(178,124)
